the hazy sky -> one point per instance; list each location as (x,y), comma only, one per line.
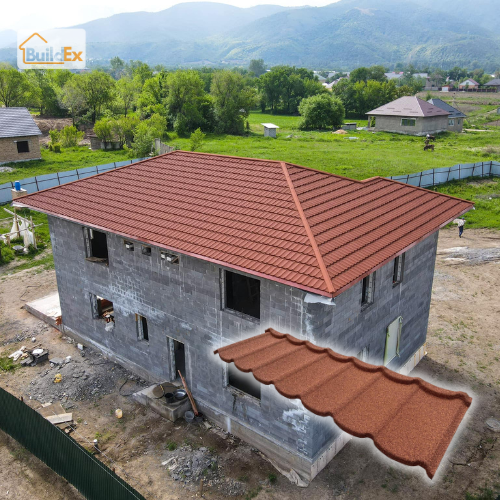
(37,15)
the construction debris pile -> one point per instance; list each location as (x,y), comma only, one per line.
(84,376)
(190,465)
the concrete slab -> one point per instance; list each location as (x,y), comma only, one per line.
(170,411)
(47,309)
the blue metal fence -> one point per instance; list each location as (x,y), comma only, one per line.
(437,176)
(34,184)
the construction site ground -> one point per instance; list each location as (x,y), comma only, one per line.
(463,352)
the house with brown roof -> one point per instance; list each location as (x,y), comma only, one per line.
(161,262)
(19,136)
(408,115)
(469,84)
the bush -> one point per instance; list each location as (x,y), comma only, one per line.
(70,137)
(6,254)
(56,148)
(196,139)
(103,129)
(321,111)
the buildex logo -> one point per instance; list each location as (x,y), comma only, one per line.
(59,48)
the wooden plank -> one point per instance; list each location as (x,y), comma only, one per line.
(51,410)
(190,396)
(59,419)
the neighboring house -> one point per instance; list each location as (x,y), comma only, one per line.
(19,136)
(495,83)
(393,75)
(455,118)
(468,84)
(408,115)
(188,252)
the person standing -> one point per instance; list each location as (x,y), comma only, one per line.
(461,224)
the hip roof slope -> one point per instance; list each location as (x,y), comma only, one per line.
(306,228)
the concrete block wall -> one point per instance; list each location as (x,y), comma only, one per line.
(349,327)
(8,149)
(423,126)
(184,302)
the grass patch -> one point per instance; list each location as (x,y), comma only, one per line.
(7,365)
(68,159)
(485,193)
(171,445)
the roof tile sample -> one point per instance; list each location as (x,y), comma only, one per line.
(302,227)
(408,419)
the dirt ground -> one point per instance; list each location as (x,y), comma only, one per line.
(463,353)
(46,124)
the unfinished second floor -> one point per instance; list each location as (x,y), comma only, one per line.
(151,292)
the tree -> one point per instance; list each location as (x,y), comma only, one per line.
(14,88)
(321,112)
(188,106)
(257,67)
(153,96)
(141,70)
(285,86)
(124,129)
(98,89)
(232,101)
(103,129)
(43,91)
(71,98)
(70,137)
(196,139)
(127,90)
(145,133)
(117,66)
(376,73)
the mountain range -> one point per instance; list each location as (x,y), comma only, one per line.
(345,34)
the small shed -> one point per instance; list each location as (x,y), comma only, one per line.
(350,126)
(270,129)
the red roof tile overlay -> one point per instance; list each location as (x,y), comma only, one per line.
(309,229)
(408,419)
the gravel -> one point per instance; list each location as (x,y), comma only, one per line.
(87,376)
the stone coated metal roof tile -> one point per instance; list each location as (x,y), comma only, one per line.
(303,227)
(408,419)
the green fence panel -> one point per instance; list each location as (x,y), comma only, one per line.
(93,479)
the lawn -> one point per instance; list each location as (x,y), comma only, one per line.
(68,159)
(369,155)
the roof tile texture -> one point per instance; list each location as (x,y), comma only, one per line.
(409,420)
(309,229)
(17,122)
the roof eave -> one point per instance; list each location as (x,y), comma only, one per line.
(304,288)
(386,261)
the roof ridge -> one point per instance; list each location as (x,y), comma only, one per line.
(310,235)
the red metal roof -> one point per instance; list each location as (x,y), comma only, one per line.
(408,419)
(306,228)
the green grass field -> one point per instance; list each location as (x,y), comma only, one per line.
(368,155)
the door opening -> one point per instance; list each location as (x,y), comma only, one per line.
(177,359)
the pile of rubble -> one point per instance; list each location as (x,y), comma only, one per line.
(86,376)
(191,465)
(27,334)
